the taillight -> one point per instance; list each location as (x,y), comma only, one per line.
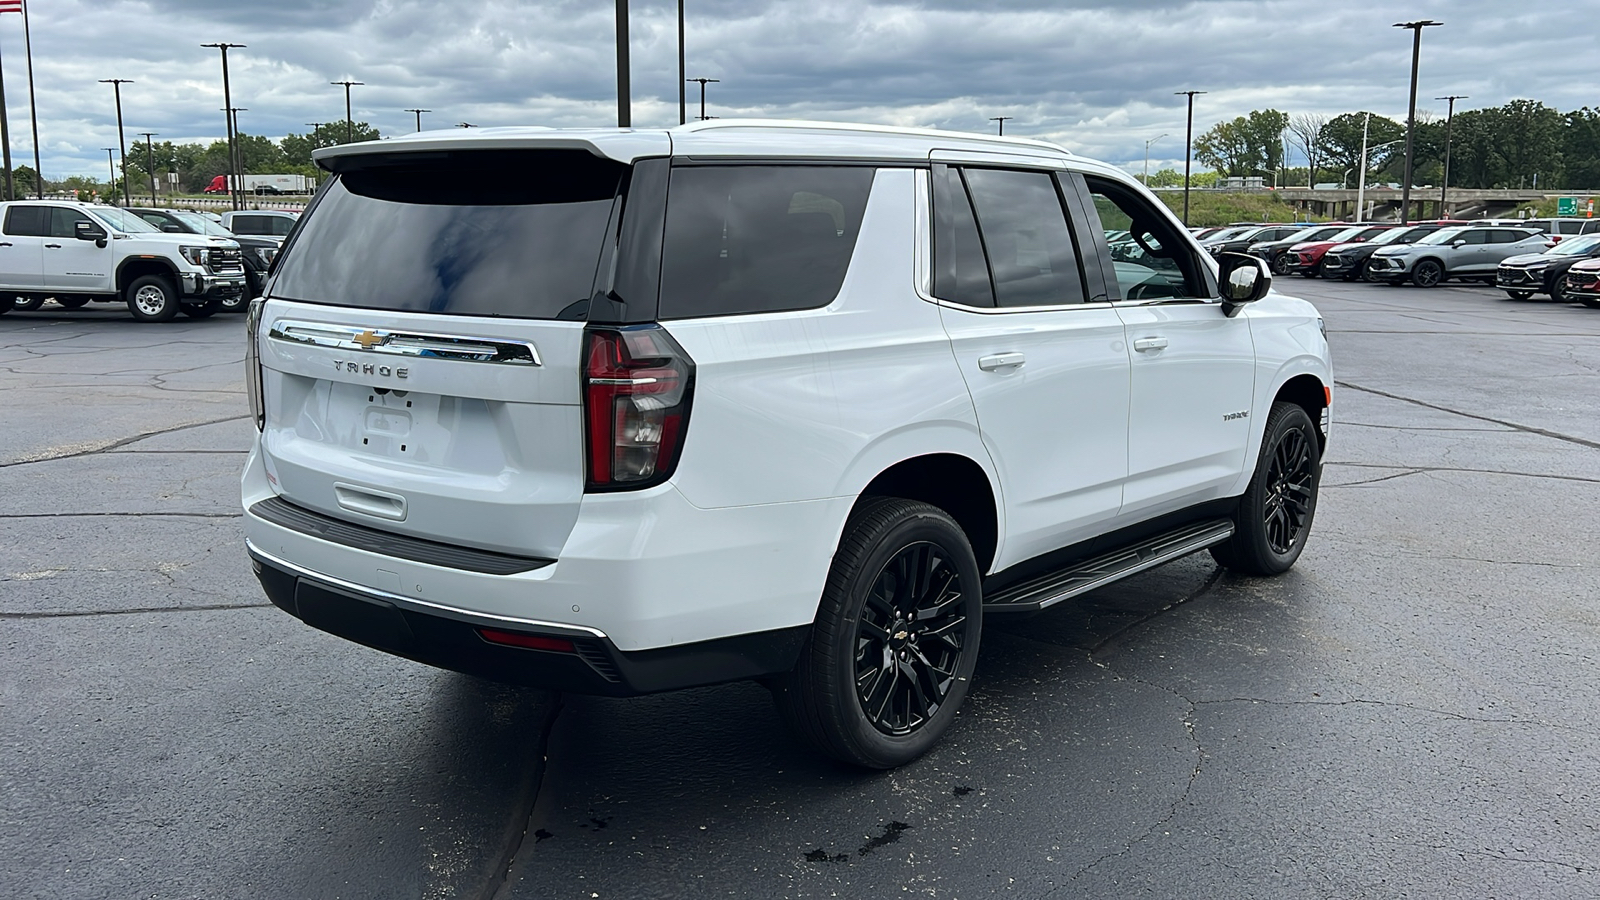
(252,365)
(637,387)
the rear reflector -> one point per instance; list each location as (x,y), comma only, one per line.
(528,641)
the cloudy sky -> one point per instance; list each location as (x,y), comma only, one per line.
(1095,75)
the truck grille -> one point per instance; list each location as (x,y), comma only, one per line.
(225,262)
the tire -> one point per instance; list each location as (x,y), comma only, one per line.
(28,304)
(1274,515)
(862,624)
(7,304)
(72,302)
(1280,264)
(1591,302)
(238,303)
(1519,295)
(204,310)
(1558,291)
(1427,273)
(153,298)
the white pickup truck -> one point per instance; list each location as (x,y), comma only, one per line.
(77,252)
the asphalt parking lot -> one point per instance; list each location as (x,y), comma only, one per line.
(1407,713)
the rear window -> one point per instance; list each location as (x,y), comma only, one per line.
(31,221)
(751,239)
(481,233)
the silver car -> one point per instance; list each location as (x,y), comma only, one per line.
(1472,251)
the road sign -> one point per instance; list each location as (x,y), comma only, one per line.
(1566,206)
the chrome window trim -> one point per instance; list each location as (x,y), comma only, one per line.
(463,348)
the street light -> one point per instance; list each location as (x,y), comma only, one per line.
(1147,157)
(111,162)
(703,82)
(234,197)
(1411,119)
(624,90)
(1444,188)
(1188,147)
(349,133)
(419,113)
(122,141)
(237,161)
(150,161)
(1002,120)
(1361,188)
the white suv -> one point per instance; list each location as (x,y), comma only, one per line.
(792,402)
(78,252)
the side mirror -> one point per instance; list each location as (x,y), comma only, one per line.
(1244,279)
(88,231)
(171,228)
(1458,243)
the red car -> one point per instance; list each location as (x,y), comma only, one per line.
(1583,283)
(1307,258)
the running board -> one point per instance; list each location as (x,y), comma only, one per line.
(1080,578)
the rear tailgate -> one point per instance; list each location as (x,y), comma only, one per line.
(420,345)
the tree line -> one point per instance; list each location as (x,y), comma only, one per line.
(1522,144)
(198,164)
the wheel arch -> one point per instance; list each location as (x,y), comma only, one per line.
(954,483)
(1311,394)
(135,267)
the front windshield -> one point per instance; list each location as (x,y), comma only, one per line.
(1394,235)
(1349,234)
(122,220)
(1576,246)
(1442,236)
(202,224)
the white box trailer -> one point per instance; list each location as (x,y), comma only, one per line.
(264,184)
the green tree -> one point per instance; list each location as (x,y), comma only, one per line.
(297,147)
(1529,142)
(1580,149)
(1248,145)
(1340,142)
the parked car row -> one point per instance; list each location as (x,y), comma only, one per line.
(158,261)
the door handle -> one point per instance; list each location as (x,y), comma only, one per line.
(1001,361)
(1146,345)
(5,244)
(53,246)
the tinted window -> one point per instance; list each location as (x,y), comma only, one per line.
(279,225)
(748,239)
(249,224)
(1473,236)
(419,235)
(28,220)
(1031,255)
(1161,267)
(960,271)
(1571,227)
(63,222)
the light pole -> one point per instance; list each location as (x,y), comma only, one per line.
(349,133)
(1188,148)
(150,161)
(1411,119)
(122,141)
(1444,188)
(1361,190)
(683,80)
(624,90)
(1001,121)
(111,162)
(419,113)
(703,82)
(1147,157)
(238,142)
(234,196)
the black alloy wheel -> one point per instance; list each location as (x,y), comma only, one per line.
(909,639)
(1274,515)
(1519,295)
(1280,264)
(1427,273)
(1558,290)
(895,640)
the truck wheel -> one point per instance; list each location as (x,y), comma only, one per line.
(1519,295)
(1427,274)
(72,302)
(153,298)
(1275,513)
(204,310)
(235,304)
(895,640)
(27,304)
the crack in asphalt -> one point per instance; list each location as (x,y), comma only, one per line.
(519,826)
(1389,704)
(1468,470)
(90,448)
(1529,429)
(139,610)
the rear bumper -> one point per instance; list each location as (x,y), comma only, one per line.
(454,639)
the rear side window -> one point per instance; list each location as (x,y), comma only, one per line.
(483,233)
(277,225)
(32,221)
(753,239)
(960,272)
(1031,254)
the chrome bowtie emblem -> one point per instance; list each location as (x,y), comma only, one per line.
(901,635)
(370,339)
